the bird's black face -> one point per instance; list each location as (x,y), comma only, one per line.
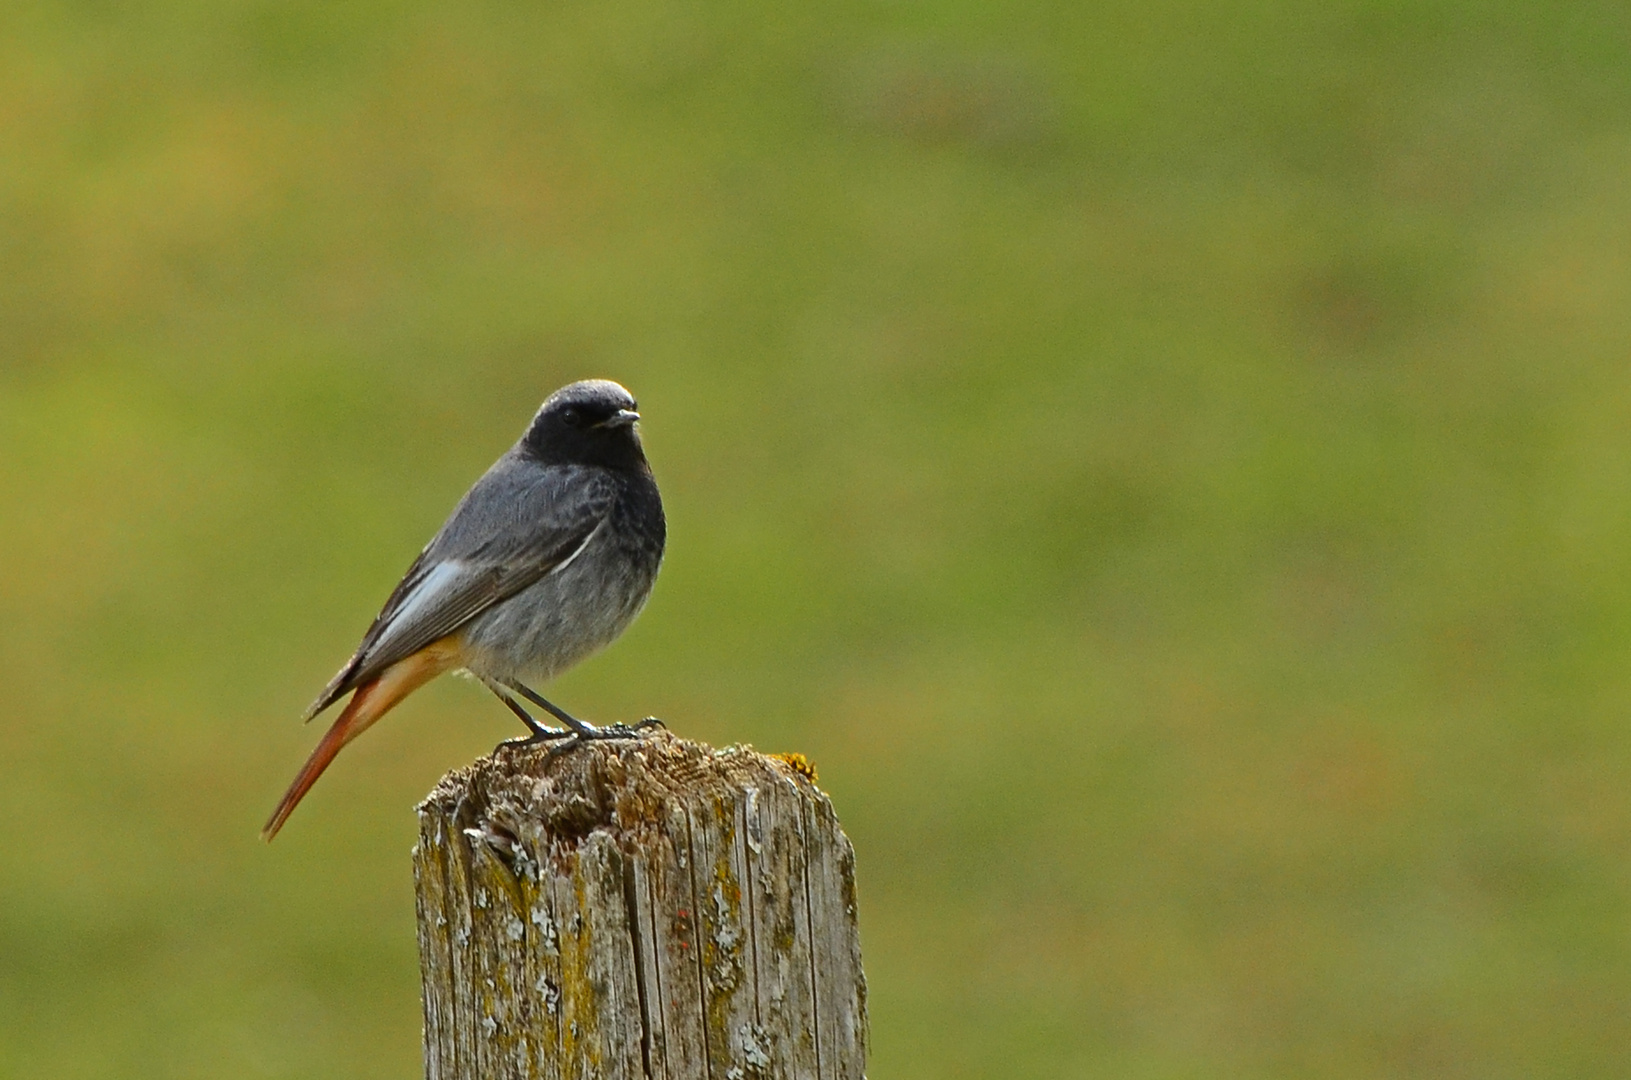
(587,423)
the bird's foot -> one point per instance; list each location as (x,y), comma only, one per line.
(538,737)
(586,733)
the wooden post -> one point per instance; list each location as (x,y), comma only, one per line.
(638,910)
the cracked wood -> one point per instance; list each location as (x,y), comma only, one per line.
(640,910)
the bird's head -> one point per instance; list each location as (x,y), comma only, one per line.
(592,422)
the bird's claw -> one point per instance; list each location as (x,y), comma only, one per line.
(589,733)
(535,739)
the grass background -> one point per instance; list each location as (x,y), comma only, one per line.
(1169,465)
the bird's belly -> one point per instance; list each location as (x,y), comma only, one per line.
(541,631)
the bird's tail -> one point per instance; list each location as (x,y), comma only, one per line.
(372,700)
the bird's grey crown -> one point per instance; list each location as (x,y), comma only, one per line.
(594,393)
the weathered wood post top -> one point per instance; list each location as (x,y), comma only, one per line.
(648,909)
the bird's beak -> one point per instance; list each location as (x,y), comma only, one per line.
(622,418)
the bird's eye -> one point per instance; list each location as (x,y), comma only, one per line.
(571,417)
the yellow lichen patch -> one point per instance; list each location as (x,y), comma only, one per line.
(799,764)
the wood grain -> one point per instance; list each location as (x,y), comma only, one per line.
(649,910)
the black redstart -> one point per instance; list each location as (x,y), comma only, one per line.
(547,558)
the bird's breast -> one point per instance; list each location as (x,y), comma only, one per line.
(575,611)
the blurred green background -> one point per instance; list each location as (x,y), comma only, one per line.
(1168,464)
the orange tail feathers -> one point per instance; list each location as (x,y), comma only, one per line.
(371,701)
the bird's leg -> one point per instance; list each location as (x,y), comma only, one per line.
(581,731)
(540,732)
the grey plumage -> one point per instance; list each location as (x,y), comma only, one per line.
(585,601)
(542,563)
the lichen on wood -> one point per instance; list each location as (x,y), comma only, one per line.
(648,909)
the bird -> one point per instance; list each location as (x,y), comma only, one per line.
(547,559)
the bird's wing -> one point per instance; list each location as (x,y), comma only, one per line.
(520,523)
